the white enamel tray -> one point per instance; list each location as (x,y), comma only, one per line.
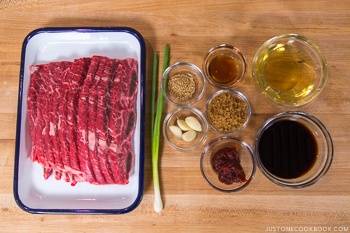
(36,195)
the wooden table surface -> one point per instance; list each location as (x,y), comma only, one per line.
(191,28)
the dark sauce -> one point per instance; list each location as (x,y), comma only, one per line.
(288,149)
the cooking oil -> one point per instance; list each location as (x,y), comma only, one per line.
(286,74)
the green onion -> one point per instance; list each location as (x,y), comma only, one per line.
(158,204)
(154,87)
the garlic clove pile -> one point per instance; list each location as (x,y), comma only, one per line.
(186,129)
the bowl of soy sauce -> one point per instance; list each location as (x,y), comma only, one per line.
(293,149)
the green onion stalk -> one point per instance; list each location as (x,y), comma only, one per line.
(158,204)
(154,89)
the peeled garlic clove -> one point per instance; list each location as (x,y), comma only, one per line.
(183,125)
(176,131)
(193,123)
(189,136)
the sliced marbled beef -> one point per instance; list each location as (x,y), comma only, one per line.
(55,83)
(40,111)
(82,122)
(76,77)
(122,120)
(92,116)
(32,110)
(103,103)
(82,118)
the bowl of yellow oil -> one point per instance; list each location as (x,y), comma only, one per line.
(224,66)
(290,70)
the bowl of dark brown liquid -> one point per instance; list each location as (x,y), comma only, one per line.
(293,149)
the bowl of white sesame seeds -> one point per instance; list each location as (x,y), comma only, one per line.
(183,84)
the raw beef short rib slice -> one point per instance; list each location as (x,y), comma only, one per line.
(92,116)
(62,125)
(39,144)
(78,73)
(121,153)
(60,69)
(129,93)
(82,122)
(32,108)
(103,100)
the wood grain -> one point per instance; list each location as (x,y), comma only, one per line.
(192,28)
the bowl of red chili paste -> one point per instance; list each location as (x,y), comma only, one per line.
(227,164)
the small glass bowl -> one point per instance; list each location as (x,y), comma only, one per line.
(224,66)
(182,113)
(246,160)
(180,74)
(219,114)
(290,70)
(322,140)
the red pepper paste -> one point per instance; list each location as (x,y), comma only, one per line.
(227,164)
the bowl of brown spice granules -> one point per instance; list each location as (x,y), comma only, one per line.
(183,84)
(228,111)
